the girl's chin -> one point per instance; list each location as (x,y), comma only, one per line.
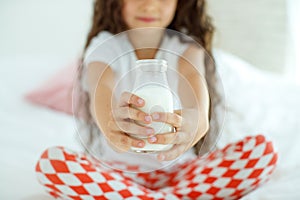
(147,31)
(148,25)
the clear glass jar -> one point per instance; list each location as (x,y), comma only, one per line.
(152,85)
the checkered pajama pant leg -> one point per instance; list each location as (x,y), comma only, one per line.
(228,173)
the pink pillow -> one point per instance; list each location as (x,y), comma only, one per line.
(56,92)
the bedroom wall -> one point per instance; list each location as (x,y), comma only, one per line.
(43,27)
(255,30)
(294,40)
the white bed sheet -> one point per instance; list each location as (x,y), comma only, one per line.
(26,130)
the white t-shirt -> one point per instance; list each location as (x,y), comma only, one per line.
(119,54)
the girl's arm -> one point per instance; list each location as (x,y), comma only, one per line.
(100,80)
(191,66)
(100,84)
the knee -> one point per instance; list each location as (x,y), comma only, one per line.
(259,147)
(258,142)
(256,147)
(53,159)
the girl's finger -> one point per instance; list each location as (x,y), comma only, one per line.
(130,128)
(132,113)
(167,117)
(128,98)
(122,142)
(173,153)
(171,138)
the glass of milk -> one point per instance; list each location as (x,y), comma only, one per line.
(151,84)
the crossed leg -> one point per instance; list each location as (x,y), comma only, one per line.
(228,173)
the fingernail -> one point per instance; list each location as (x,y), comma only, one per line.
(140,144)
(153,139)
(140,101)
(150,131)
(161,157)
(148,118)
(155,116)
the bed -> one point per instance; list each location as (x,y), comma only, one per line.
(261,102)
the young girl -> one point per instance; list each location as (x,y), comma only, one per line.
(190,169)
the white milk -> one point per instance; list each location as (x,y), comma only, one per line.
(157,99)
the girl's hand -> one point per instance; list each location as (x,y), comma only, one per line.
(182,139)
(122,123)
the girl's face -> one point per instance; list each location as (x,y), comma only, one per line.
(148,13)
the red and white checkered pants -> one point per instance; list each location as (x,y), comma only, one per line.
(228,173)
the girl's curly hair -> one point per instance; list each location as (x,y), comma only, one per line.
(190,17)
